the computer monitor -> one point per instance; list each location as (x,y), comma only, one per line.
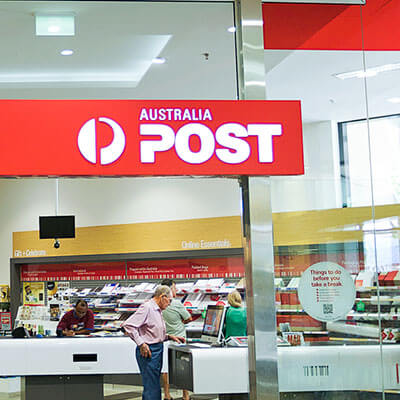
(213,324)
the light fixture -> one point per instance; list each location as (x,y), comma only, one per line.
(369,72)
(394,100)
(158,60)
(232,29)
(67,52)
(253,22)
(55,25)
(53,29)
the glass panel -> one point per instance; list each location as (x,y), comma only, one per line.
(112,55)
(385,143)
(327,300)
(382,62)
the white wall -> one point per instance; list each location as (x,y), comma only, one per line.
(110,201)
(319,187)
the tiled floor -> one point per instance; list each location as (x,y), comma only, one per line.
(118,392)
(125,392)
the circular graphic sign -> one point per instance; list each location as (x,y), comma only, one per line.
(326,291)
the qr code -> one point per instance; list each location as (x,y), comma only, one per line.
(327,308)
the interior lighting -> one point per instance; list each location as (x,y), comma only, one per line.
(159,60)
(53,28)
(55,25)
(368,72)
(253,22)
(232,29)
(394,100)
(67,52)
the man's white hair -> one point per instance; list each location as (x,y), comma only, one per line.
(162,290)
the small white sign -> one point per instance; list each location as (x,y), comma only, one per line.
(326,291)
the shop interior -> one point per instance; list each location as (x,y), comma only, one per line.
(344,209)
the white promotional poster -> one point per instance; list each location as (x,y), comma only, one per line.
(326,291)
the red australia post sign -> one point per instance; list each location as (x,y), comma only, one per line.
(146,137)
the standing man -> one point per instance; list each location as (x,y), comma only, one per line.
(175,317)
(79,321)
(146,328)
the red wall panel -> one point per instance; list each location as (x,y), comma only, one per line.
(332,27)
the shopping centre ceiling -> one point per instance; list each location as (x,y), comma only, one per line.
(114,45)
(309,75)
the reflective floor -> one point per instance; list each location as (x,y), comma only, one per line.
(10,389)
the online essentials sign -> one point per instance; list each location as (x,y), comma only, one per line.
(145,138)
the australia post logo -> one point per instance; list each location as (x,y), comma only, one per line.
(227,141)
(87,140)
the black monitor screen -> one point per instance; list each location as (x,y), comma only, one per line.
(57,227)
(213,321)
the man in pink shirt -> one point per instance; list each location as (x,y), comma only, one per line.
(146,327)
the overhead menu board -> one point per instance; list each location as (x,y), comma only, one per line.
(222,267)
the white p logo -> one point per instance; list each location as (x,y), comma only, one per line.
(87,142)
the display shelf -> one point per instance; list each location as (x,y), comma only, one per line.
(111,309)
(368,288)
(109,305)
(374,316)
(107,316)
(382,301)
(87,296)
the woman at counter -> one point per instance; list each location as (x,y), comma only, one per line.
(236,316)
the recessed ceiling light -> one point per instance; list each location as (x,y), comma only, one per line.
(232,29)
(159,60)
(55,25)
(394,100)
(368,72)
(67,52)
(53,29)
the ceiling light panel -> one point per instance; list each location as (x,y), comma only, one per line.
(158,60)
(67,52)
(369,72)
(55,25)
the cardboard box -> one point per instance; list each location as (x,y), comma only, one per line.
(381,278)
(365,279)
(390,277)
(396,279)
(285,301)
(278,299)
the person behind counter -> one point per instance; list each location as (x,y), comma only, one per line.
(175,316)
(146,328)
(79,321)
(236,316)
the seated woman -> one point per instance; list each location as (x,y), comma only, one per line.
(236,316)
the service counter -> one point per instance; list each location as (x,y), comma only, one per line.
(80,365)
(69,355)
(206,370)
(70,367)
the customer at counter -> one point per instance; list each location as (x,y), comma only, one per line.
(236,316)
(146,327)
(175,317)
(79,321)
